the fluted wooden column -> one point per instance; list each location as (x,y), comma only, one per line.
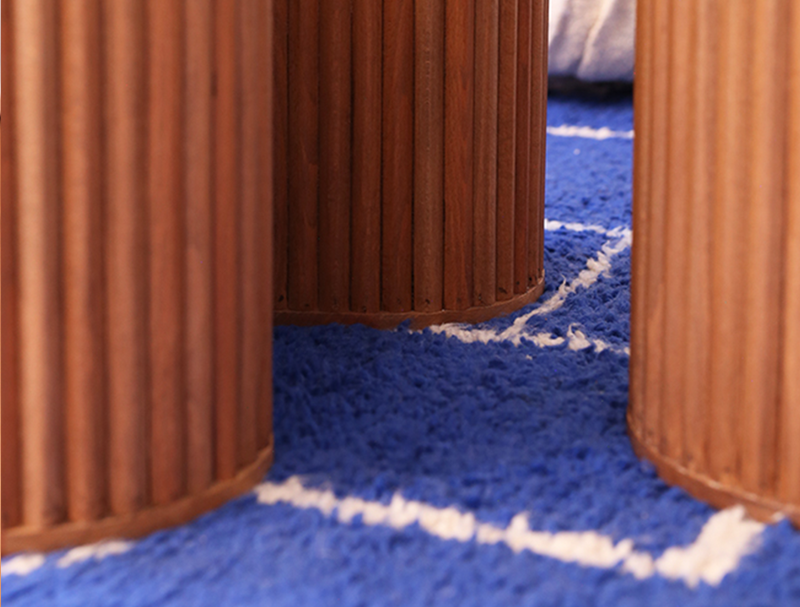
(410,159)
(136,263)
(715,353)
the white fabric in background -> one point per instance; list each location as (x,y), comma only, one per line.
(592,40)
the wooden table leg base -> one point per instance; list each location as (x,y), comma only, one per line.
(419,320)
(708,490)
(32,539)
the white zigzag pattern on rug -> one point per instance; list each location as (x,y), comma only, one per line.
(725,539)
(620,239)
(586,132)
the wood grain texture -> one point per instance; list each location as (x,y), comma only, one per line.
(136,276)
(398,155)
(538,130)
(9,302)
(40,288)
(425,147)
(365,262)
(428,155)
(335,90)
(227,224)
(165,198)
(522,172)
(507,147)
(459,88)
(123,126)
(85,394)
(280,135)
(713,362)
(303,153)
(487,46)
(199,345)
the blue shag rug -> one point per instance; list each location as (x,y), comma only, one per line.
(478,466)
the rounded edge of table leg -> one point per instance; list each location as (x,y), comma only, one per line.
(419,320)
(707,489)
(30,539)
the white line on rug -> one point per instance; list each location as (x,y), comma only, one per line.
(586,132)
(595,267)
(725,539)
(25,564)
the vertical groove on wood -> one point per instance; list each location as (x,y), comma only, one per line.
(654,303)
(263,72)
(458,170)
(9,302)
(397,154)
(303,152)
(125,264)
(41,395)
(84,397)
(226,239)
(165,198)
(523,167)
(434,133)
(676,225)
(335,96)
(366,184)
(538,130)
(641,192)
(760,390)
(506,147)
(280,122)
(729,220)
(429,156)
(136,249)
(252,228)
(716,277)
(788,447)
(701,123)
(540,148)
(484,207)
(199,249)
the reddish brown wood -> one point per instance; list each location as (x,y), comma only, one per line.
(487,16)
(280,167)
(335,138)
(85,394)
(398,154)
(428,156)
(365,263)
(125,265)
(538,186)
(523,166)
(40,295)
(165,196)
(459,90)
(417,320)
(9,313)
(252,228)
(713,352)
(263,22)
(538,132)
(199,346)
(788,481)
(434,164)
(507,147)
(303,153)
(226,240)
(137,373)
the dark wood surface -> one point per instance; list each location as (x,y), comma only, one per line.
(431,165)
